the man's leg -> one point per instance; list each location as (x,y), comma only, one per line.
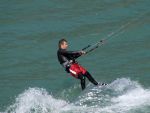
(82,79)
(91,79)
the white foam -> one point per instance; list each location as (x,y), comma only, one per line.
(120,96)
(36,100)
(134,96)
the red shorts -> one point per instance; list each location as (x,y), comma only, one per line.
(75,70)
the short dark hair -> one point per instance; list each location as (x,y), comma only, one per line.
(61,41)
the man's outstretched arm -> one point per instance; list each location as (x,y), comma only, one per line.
(74,54)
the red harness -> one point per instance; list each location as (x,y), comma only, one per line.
(75,70)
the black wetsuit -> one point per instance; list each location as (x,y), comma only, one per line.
(65,57)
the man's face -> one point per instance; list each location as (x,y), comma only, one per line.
(64,45)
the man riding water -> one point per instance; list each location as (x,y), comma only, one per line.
(68,60)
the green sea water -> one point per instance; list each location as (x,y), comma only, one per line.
(31,78)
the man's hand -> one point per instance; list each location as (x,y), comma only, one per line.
(82,52)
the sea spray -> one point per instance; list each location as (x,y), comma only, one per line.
(36,100)
(121,96)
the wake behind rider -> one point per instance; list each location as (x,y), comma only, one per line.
(68,60)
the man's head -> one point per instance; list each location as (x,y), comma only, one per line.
(63,44)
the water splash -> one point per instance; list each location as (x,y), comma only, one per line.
(121,96)
(36,100)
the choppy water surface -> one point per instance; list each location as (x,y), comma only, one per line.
(31,79)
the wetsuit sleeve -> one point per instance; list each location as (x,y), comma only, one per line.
(74,54)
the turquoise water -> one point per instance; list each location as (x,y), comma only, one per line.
(31,79)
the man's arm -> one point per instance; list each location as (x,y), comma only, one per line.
(74,54)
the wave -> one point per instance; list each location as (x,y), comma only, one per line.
(120,96)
